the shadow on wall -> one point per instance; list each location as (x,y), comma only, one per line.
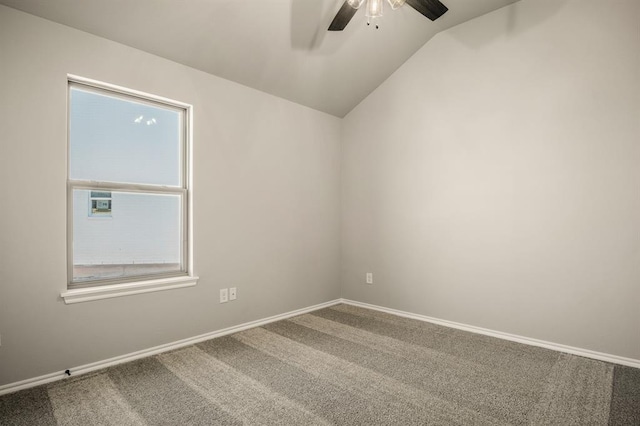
(519,18)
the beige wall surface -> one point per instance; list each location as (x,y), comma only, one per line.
(266,203)
(494,179)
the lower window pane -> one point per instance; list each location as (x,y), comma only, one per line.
(140,235)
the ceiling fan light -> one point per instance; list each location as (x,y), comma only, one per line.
(355,3)
(374,8)
(396,3)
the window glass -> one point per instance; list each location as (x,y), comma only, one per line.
(123,140)
(142,238)
(127,187)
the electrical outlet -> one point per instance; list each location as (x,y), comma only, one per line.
(232,293)
(224,295)
(369,278)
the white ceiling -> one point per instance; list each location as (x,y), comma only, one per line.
(276,46)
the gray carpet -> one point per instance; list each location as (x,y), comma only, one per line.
(341,365)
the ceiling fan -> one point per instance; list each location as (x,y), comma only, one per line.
(432,9)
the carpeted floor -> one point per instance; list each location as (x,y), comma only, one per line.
(341,365)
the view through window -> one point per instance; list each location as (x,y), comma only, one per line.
(127,186)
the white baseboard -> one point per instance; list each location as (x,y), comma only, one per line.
(614,359)
(52,377)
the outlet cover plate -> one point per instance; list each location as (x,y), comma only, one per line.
(224,295)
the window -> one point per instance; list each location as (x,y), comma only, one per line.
(100,204)
(128,156)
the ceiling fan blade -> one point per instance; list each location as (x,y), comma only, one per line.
(342,18)
(432,9)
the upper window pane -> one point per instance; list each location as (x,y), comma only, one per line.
(119,140)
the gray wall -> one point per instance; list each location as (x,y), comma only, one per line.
(266,203)
(494,179)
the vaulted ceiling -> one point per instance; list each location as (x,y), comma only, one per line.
(280,47)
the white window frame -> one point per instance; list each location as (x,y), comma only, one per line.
(82,291)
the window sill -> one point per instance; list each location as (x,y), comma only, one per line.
(126,289)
